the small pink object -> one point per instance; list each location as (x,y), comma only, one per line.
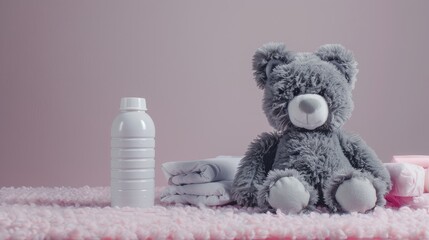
(407,179)
(412,202)
(421,160)
(427,180)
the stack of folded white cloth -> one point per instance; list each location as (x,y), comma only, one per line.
(205,182)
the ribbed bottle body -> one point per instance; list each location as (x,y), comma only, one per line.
(132,160)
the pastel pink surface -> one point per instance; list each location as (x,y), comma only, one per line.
(421,160)
(64,65)
(84,213)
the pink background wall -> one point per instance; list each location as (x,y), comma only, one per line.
(65,64)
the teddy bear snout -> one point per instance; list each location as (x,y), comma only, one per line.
(309,105)
(308,111)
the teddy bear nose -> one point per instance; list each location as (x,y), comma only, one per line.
(309,105)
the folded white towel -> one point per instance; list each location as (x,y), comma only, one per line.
(201,171)
(207,194)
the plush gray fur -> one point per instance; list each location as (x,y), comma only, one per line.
(323,158)
(254,168)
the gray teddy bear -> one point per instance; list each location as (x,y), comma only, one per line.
(310,160)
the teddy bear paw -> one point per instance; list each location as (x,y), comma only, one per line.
(289,195)
(356,195)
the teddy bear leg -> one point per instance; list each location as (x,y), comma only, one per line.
(356,195)
(286,190)
(289,195)
(354,192)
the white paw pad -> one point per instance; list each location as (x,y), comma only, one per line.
(289,195)
(356,195)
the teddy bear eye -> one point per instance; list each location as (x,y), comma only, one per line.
(296,91)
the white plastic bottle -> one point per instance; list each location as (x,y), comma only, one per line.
(132,156)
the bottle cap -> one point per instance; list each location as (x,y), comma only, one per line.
(133,103)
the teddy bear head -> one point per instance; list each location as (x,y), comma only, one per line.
(306,91)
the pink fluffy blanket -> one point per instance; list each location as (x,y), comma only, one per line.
(84,213)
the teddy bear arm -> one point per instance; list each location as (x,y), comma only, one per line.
(362,157)
(253,169)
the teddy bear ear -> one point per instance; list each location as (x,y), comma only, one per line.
(266,59)
(342,58)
